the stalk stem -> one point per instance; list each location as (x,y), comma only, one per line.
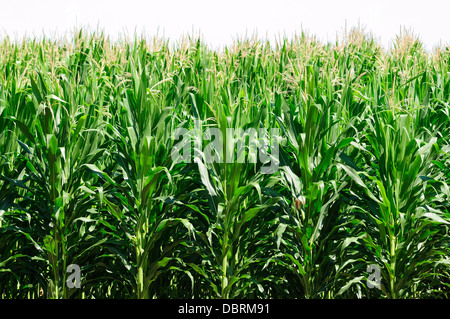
(392,273)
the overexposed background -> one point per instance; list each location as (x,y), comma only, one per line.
(219,22)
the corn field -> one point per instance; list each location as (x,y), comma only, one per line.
(88,178)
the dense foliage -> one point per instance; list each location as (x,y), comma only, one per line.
(87,176)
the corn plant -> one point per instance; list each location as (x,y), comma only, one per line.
(286,170)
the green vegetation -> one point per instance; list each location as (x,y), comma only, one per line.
(87,176)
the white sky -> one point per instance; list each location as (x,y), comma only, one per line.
(221,21)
